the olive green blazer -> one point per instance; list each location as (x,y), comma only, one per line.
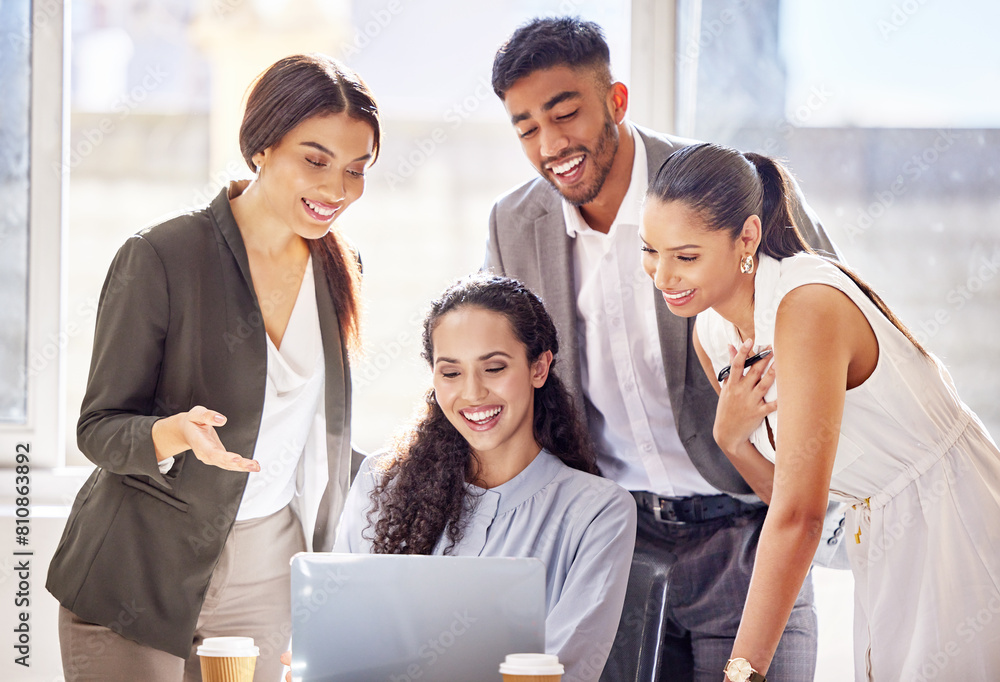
(178,325)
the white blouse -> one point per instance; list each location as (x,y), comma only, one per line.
(293,404)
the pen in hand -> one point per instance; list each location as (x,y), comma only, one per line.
(724,372)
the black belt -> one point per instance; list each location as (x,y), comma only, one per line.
(695,509)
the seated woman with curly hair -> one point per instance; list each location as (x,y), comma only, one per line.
(498,464)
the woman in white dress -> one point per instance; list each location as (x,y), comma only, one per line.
(867,415)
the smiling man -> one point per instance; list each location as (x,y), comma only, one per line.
(572,236)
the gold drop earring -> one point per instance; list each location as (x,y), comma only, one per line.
(746,265)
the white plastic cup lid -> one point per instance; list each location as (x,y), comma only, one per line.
(531,664)
(228,647)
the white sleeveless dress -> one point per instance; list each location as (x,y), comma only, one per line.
(923,478)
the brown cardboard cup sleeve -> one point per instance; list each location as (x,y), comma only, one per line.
(228,659)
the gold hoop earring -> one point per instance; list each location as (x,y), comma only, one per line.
(746,265)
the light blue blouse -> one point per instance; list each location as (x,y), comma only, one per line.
(581,526)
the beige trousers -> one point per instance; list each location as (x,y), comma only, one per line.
(249,595)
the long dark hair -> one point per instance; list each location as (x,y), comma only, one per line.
(285,94)
(726,186)
(422,492)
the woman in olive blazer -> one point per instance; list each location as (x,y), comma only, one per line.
(181,346)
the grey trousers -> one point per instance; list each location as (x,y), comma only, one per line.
(249,595)
(686,594)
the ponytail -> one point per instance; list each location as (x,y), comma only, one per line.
(779,236)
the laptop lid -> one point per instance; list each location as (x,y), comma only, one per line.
(402,618)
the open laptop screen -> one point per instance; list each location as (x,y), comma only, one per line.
(402,618)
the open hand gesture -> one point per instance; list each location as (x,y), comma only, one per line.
(195,430)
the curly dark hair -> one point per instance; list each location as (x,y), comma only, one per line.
(422,493)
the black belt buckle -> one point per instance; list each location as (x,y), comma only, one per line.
(664,512)
(695,509)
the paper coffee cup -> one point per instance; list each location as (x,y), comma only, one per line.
(228,659)
(531,668)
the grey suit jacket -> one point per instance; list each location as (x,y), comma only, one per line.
(528,241)
(178,325)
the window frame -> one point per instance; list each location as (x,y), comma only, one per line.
(47,335)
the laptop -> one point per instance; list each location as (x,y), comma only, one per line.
(401,618)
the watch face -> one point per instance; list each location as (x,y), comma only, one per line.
(738,670)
